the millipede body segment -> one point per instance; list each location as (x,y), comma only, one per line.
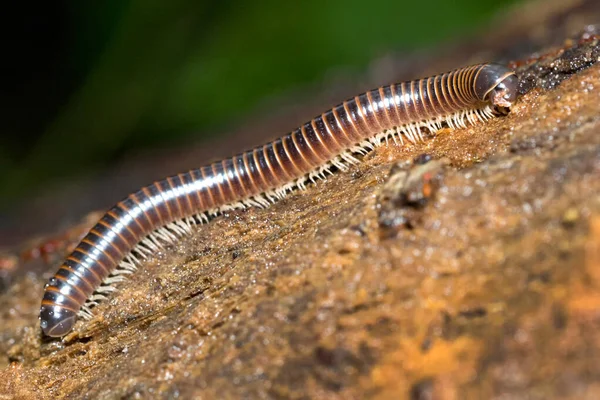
(157,214)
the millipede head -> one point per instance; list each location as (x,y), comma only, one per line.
(56,321)
(497,85)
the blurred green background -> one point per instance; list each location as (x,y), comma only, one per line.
(88,82)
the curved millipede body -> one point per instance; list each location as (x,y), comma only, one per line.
(157,214)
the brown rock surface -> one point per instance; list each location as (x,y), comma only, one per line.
(491,290)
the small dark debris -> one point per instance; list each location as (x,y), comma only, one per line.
(422,158)
(159,285)
(359,229)
(475,312)
(570,217)
(541,277)
(426,344)
(343,251)
(407,192)
(236,254)
(199,291)
(559,317)
(422,390)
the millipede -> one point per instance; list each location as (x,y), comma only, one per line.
(160,213)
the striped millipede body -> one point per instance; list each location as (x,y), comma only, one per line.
(159,213)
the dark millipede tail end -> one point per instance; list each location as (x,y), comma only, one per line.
(56,321)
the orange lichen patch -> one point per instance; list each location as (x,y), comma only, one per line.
(585,301)
(450,363)
(586,305)
(592,253)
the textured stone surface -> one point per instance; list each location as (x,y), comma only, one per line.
(491,291)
